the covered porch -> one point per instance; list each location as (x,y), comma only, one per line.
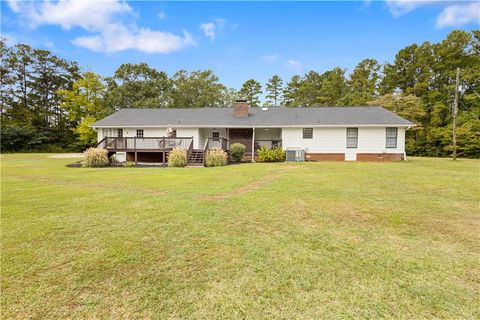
(252,138)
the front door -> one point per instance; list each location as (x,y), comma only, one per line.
(243,136)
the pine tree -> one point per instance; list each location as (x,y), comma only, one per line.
(274,89)
(250,91)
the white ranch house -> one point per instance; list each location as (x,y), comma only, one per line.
(325,133)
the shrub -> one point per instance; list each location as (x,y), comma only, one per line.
(129,164)
(96,157)
(237,150)
(216,158)
(114,161)
(271,155)
(177,158)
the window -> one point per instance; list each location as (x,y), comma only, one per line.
(392,137)
(139,133)
(307,133)
(352,137)
(174,133)
(216,134)
(120,133)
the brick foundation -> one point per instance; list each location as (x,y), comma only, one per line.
(325,157)
(341,157)
(379,156)
(248,157)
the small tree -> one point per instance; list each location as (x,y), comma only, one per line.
(237,150)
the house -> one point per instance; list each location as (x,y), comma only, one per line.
(325,133)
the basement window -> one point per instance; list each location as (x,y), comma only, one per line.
(120,133)
(139,133)
(392,134)
(352,137)
(307,133)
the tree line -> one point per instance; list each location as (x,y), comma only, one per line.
(48,103)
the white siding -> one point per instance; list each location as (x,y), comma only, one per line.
(189,132)
(373,140)
(333,140)
(204,133)
(325,140)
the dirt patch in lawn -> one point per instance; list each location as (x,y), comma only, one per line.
(249,187)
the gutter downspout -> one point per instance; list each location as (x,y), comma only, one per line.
(404,152)
(253,145)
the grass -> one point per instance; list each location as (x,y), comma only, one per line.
(292,241)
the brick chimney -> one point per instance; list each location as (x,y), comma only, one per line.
(240,109)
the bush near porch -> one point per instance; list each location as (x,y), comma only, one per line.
(177,158)
(216,158)
(237,150)
(95,157)
(271,155)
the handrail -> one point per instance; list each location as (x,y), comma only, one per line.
(217,143)
(205,147)
(190,150)
(100,142)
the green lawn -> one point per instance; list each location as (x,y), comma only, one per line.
(257,241)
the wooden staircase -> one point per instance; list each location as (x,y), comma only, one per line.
(196,157)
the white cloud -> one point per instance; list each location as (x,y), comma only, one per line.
(118,38)
(454,13)
(459,14)
(210,29)
(161,15)
(103,19)
(270,58)
(14,5)
(87,14)
(294,65)
(401,7)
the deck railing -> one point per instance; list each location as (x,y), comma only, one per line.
(217,143)
(145,143)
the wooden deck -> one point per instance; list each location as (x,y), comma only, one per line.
(147,144)
(134,146)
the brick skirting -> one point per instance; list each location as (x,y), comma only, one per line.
(325,157)
(360,157)
(379,156)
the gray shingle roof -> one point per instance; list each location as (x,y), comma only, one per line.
(275,116)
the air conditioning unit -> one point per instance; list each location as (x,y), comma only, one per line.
(295,154)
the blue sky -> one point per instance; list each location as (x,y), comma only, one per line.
(238,40)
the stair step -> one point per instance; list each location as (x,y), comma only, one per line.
(196,158)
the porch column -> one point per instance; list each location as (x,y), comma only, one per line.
(253,145)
